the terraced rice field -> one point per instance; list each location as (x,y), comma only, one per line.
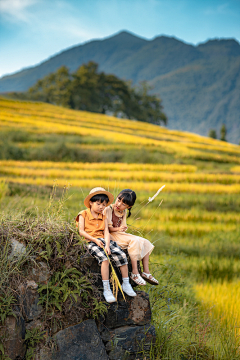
(198,222)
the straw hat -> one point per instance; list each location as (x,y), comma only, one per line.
(96,191)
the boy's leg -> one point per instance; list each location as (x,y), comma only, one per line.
(100,255)
(120,259)
(124,271)
(126,286)
(105,270)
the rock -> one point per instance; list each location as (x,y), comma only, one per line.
(79,342)
(35,324)
(125,329)
(91,267)
(130,342)
(135,311)
(31,284)
(18,249)
(13,333)
(90,263)
(28,301)
(42,354)
(121,340)
(40,273)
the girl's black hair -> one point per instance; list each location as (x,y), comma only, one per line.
(100,197)
(128,197)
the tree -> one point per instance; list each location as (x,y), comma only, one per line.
(53,88)
(84,88)
(212,134)
(91,90)
(223,133)
(149,106)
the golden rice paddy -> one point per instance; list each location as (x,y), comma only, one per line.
(192,175)
(223,299)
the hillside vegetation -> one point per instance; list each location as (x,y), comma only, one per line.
(90,90)
(199,85)
(195,229)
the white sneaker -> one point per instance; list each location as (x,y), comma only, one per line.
(127,288)
(109,296)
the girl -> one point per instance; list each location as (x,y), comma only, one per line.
(138,247)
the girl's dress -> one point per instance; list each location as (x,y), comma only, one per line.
(137,246)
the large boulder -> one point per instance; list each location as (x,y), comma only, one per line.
(126,330)
(79,342)
(134,311)
(130,342)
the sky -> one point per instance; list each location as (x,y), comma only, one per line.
(31,31)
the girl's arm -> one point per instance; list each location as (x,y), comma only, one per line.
(123,226)
(107,237)
(115,229)
(82,232)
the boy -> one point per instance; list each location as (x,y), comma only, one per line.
(93,226)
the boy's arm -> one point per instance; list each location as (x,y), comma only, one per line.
(107,237)
(82,232)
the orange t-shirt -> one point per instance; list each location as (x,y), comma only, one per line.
(94,227)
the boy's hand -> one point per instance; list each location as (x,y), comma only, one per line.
(122,228)
(107,248)
(99,243)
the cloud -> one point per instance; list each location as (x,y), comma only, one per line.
(79,33)
(221,9)
(50,19)
(16,9)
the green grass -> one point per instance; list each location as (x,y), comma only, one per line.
(184,328)
(198,240)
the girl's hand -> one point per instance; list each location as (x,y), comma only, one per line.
(107,248)
(99,243)
(123,228)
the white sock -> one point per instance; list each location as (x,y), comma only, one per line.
(126,280)
(106,284)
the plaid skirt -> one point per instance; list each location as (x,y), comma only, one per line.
(117,254)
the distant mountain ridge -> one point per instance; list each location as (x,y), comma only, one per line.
(199,85)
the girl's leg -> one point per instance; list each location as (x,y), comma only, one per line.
(137,246)
(105,270)
(146,272)
(134,266)
(145,262)
(135,276)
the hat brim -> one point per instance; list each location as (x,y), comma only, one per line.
(110,196)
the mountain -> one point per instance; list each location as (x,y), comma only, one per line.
(199,85)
